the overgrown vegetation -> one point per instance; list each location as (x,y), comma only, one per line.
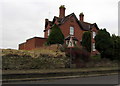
(116,47)
(86,41)
(108,46)
(79,56)
(104,43)
(50,59)
(37,59)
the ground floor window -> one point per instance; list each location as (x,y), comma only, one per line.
(93,47)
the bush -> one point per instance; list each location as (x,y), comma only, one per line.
(79,56)
(86,41)
(78,53)
(96,57)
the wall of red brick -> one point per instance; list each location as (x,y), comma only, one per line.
(22,46)
(65,28)
(32,43)
(39,42)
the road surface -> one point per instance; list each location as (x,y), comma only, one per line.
(111,79)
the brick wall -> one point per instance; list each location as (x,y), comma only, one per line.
(39,42)
(65,28)
(22,46)
(32,43)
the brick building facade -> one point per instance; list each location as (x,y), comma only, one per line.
(69,25)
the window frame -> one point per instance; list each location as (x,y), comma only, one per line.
(71,30)
(93,34)
(93,47)
(48,32)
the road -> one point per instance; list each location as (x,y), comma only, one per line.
(112,79)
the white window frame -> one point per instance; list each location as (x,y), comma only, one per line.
(67,42)
(94,34)
(71,30)
(93,47)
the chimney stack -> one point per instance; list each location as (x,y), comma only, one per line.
(81,17)
(62,11)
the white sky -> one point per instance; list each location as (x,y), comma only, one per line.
(24,19)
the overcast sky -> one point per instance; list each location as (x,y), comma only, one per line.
(24,19)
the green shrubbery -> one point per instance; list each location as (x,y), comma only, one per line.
(56,36)
(96,57)
(107,45)
(86,41)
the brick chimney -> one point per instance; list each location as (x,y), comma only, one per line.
(81,16)
(62,11)
(46,22)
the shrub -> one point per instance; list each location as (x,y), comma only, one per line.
(96,57)
(86,41)
(78,53)
(78,56)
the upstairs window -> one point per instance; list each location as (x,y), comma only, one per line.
(71,30)
(48,32)
(94,34)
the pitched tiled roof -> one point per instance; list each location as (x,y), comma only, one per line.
(84,25)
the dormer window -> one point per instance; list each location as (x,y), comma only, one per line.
(94,34)
(71,30)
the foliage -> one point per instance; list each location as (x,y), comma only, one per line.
(80,53)
(56,36)
(86,41)
(104,43)
(96,57)
(116,47)
(104,62)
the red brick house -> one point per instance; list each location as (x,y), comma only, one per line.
(69,25)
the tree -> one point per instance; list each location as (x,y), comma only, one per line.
(56,36)
(86,41)
(116,47)
(104,43)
